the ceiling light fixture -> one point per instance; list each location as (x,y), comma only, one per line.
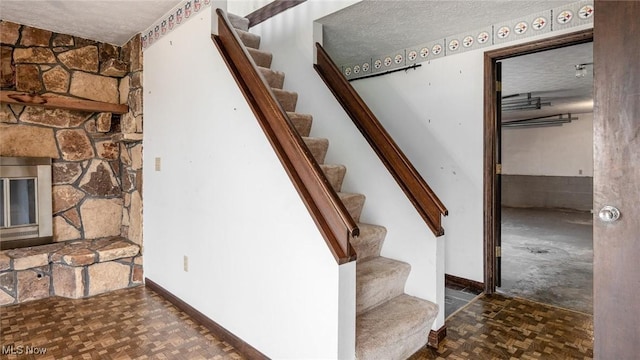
(581,69)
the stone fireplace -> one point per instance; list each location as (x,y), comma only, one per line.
(96,162)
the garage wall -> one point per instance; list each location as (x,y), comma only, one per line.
(550,167)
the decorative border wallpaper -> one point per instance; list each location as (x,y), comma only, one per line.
(570,15)
(170,21)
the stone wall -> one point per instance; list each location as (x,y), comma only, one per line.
(130,89)
(97,157)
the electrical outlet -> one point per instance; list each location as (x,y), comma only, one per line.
(157,164)
(186,263)
(580,172)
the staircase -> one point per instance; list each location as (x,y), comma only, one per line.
(390,324)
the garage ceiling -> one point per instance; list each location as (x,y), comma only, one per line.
(551,75)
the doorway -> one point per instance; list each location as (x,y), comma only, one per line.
(492,130)
(617,144)
(546,187)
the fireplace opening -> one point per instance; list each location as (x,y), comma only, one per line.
(25,202)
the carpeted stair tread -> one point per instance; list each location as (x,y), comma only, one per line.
(335,175)
(378,280)
(370,241)
(302,122)
(238,22)
(261,58)
(395,329)
(318,147)
(287,99)
(248,39)
(275,79)
(354,203)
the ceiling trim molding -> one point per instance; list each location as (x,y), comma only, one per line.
(573,15)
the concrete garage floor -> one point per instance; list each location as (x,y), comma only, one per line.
(547,256)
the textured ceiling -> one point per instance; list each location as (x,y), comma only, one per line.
(113,22)
(369,27)
(374,27)
(377,27)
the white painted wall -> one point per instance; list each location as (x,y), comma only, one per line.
(245,7)
(257,263)
(432,115)
(435,114)
(550,151)
(290,37)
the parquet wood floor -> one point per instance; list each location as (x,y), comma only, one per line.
(137,323)
(133,323)
(500,327)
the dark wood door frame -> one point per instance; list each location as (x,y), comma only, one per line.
(491,206)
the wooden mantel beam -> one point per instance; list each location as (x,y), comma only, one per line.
(53,101)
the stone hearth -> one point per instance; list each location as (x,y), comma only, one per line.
(72,269)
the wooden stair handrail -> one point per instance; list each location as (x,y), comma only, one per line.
(270,10)
(327,210)
(414,186)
